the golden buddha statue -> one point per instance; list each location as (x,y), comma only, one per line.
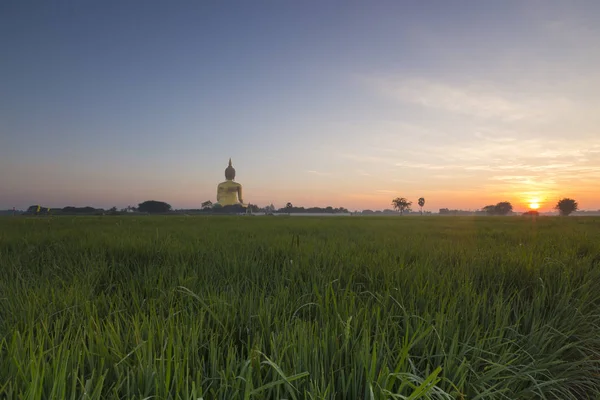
(229,193)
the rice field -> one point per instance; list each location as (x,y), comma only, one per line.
(299,308)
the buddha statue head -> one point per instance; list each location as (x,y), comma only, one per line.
(230,172)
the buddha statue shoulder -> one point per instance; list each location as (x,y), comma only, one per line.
(229,193)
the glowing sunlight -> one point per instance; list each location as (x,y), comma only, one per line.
(534,203)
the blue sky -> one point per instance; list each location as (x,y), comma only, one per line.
(318,103)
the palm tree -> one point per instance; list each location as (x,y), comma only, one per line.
(401,204)
(421,203)
(566,206)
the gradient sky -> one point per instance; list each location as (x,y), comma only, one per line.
(341,103)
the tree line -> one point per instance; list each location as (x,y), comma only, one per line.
(565,206)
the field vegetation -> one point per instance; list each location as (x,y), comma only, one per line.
(177,307)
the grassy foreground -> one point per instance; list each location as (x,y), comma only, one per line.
(306,308)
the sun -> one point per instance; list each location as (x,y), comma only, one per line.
(535,201)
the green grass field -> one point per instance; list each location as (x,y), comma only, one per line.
(305,308)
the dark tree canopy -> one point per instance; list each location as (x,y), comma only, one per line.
(502,208)
(566,206)
(490,210)
(153,206)
(401,204)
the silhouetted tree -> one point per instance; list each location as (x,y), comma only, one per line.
(503,208)
(153,206)
(253,208)
(531,213)
(207,204)
(401,204)
(490,210)
(421,203)
(566,206)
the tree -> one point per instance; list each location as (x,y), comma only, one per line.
(503,208)
(207,204)
(421,203)
(490,210)
(253,208)
(401,204)
(153,206)
(566,206)
(270,209)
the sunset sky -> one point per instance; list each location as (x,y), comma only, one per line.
(340,103)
